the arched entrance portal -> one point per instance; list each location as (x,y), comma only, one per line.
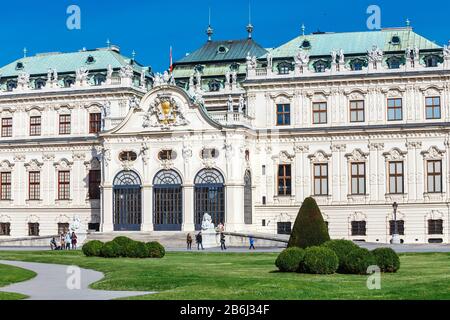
(209,197)
(248,197)
(127,202)
(167,201)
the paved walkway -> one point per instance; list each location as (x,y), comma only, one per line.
(53,282)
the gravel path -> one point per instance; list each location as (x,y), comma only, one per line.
(59,282)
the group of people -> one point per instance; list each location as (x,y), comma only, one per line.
(67,241)
(199,241)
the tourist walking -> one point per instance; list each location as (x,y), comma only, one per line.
(199,240)
(252,243)
(68,240)
(74,241)
(189,241)
(222,242)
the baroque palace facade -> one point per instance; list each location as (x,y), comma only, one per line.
(357,120)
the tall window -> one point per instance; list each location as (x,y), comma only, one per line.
(95,122)
(63,228)
(358,228)
(435,226)
(400,227)
(283,114)
(7,124)
(433,107)
(34,185)
(434,174)
(94,184)
(33,229)
(5,188)
(5,229)
(320,112)
(358,178)
(396,177)
(63,185)
(395,109)
(35,126)
(284,180)
(357,111)
(321,179)
(64,124)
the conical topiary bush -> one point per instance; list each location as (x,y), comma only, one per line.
(309,227)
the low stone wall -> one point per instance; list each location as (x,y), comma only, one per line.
(27,242)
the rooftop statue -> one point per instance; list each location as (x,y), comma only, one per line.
(242,104)
(302,57)
(230,104)
(375,54)
(81,74)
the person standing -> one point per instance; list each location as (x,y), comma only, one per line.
(252,243)
(62,241)
(222,242)
(74,241)
(68,240)
(189,241)
(199,240)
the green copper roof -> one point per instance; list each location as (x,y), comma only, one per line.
(68,62)
(355,42)
(232,50)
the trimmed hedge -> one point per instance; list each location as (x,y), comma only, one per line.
(309,227)
(124,247)
(342,248)
(110,250)
(92,248)
(123,242)
(290,259)
(320,260)
(155,250)
(357,261)
(386,259)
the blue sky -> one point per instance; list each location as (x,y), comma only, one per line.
(150,27)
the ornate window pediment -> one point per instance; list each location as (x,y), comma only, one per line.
(33,219)
(357,155)
(5,218)
(358,216)
(62,218)
(433,153)
(395,154)
(286,157)
(435,215)
(320,156)
(5,165)
(33,165)
(34,110)
(63,164)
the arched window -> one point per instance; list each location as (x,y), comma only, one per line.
(99,79)
(431,61)
(68,82)
(357,64)
(394,63)
(209,197)
(214,86)
(167,201)
(127,178)
(11,85)
(284,67)
(320,66)
(39,83)
(127,202)
(167,177)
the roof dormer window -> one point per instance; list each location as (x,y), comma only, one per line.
(90,60)
(306,44)
(395,40)
(19,66)
(222,49)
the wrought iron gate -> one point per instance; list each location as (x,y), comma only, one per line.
(127,201)
(167,201)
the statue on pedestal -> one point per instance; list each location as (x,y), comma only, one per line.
(207,222)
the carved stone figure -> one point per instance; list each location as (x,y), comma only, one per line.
(75,224)
(228,77)
(251,61)
(302,58)
(164,112)
(82,75)
(375,54)
(447,51)
(207,222)
(269,61)
(109,72)
(133,102)
(333,56)
(230,104)
(341,57)
(23,80)
(242,104)
(126,71)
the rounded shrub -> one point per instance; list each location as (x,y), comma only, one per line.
(320,260)
(386,259)
(342,248)
(155,250)
(290,259)
(136,249)
(92,248)
(110,250)
(123,242)
(357,261)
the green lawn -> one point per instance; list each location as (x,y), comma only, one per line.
(9,275)
(252,276)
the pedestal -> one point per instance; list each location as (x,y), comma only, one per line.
(395,239)
(210,238)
